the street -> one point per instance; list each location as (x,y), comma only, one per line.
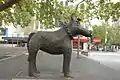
(11,65)
(109,59)
(51,66)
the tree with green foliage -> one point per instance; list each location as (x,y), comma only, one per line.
(49,12)
(112,35)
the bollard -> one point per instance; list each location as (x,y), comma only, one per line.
(12,40)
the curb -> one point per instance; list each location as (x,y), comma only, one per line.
(12,56)
(91,58)
(96,61)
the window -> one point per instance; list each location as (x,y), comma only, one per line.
(2,31)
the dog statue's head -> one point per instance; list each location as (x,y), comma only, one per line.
(77,28)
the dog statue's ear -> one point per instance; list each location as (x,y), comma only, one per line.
(79,19)
(73,18)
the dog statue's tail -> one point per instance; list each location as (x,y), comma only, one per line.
(29,37)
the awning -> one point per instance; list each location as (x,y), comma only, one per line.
(82,39)
(97,40)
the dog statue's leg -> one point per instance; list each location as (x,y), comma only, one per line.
(36,70)
(66,62)
(32,61)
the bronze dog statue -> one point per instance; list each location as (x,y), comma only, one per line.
(55,43)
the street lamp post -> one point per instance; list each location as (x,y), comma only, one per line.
(78,49)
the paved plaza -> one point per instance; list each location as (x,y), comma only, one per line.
(51,66)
